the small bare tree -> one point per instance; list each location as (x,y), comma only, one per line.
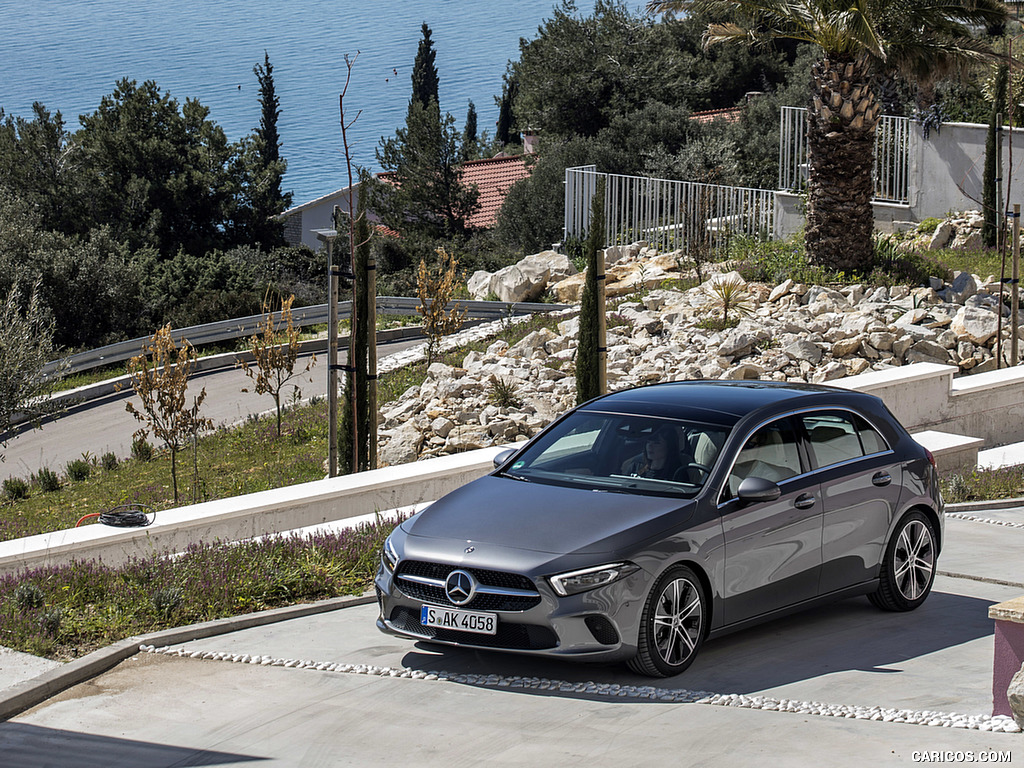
(435,289)
(26,345)
(275,350)
(160,379)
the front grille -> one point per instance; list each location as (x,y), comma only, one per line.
(522,637)
(428,593)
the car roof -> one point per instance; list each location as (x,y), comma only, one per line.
(719,402)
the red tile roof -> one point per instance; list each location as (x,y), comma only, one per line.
(732,114)
(493,176)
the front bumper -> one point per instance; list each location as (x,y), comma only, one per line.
(598,625)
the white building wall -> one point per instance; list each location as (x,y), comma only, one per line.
(945,175)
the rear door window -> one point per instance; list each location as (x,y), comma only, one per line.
(838,437)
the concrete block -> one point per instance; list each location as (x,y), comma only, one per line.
(1009,651)
(953,453)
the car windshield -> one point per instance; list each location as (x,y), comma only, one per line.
(627,453)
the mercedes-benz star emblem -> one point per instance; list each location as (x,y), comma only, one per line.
(460,587)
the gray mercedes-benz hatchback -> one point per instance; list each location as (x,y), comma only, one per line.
(646,521)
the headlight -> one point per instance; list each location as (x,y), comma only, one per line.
(589,578)
(389,556)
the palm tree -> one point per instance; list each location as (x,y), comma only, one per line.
(860,40)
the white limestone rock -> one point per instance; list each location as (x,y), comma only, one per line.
(804,350)
(479,285)
(975,324)
(402,447)
(928,352)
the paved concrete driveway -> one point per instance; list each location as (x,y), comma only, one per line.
(379,700)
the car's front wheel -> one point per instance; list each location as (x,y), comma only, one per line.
(672,625)
(908,569)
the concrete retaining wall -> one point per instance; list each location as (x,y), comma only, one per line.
(244,517)
(924,396)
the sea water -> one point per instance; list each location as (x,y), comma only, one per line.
(68,54)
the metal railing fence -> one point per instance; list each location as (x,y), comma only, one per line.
(667,214)
(236,328)
(892,155)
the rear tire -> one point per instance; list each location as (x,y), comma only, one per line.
(672,625)
(908,569)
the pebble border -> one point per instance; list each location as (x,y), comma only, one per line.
(997,724)
(977,519)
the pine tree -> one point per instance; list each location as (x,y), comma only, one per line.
(424,192)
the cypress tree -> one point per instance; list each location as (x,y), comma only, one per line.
(588,382)
(470,147)
(270,111)
(265,199)
(989,202)
(503,132)
(357,382)
(424,72)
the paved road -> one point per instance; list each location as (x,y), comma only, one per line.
(496,709)
(106,425)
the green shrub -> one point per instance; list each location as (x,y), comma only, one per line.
(48,480)
(896,267)
(28,596)
(109,461)
(142,449)
(166,601)
(773,261)
(49,622)
(15,488)
(78,470)
(928,226)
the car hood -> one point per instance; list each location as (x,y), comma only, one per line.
(551,519)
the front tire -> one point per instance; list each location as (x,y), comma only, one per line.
(672,625)
(908,569)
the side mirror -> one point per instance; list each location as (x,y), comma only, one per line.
(758,489)
(504,456)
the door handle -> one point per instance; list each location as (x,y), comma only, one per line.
(804,501)
(881,479)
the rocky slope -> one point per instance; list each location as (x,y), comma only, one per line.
(792,332)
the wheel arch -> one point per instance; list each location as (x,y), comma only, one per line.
(933,518)
(705,581)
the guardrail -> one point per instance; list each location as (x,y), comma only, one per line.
(236,328)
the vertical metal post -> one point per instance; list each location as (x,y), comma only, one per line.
(332,363)
(1000,224)
(371,359)
(602,329)
(1014,300)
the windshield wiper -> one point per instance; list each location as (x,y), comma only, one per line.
(515,477)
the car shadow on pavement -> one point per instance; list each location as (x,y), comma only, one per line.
(849,635)
(29,746)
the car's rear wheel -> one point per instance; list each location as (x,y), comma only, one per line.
(672,625)
(908,569)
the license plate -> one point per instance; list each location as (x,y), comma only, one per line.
(463,621)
